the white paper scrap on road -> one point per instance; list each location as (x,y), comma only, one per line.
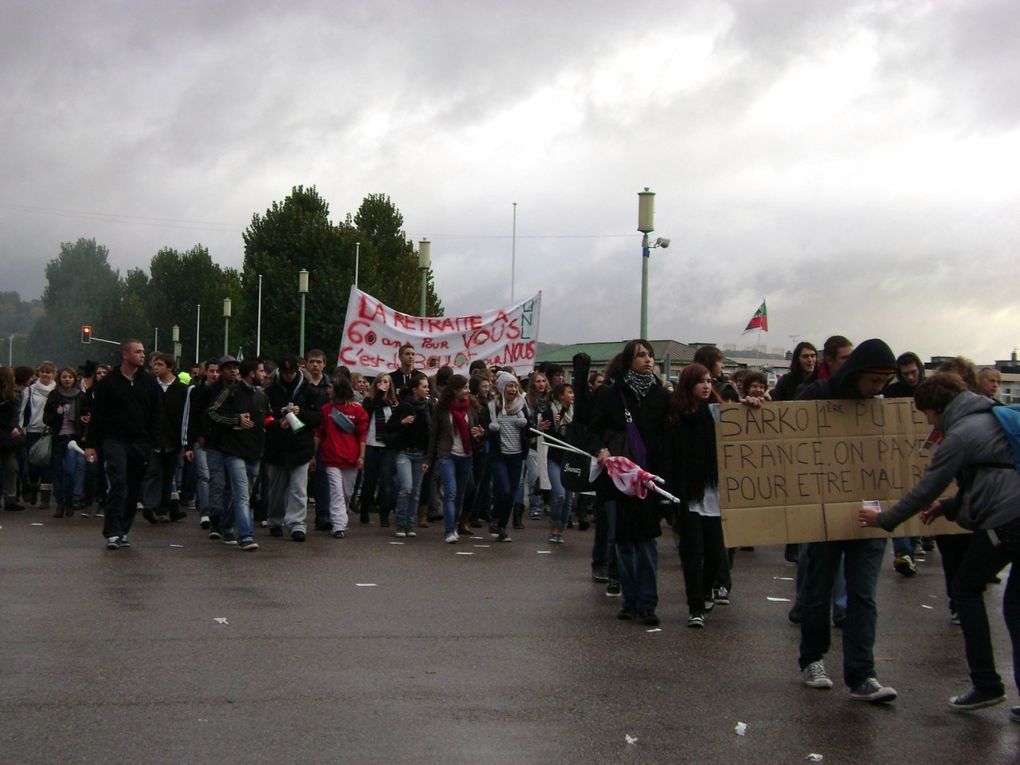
(777,600)
(38,524)
(925,605)
(783,578)
(544,552)
(813,757)
(655,629)
(630,739)
(485,546)
(365,584)
(177,545)
(465,553)
(740,729)
(396,543)
(220,620)
(480,539)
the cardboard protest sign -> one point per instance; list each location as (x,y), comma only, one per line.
(374,332)
(798,471)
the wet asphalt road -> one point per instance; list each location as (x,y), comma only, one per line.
(510,654)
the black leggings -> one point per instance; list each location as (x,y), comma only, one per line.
(701,555)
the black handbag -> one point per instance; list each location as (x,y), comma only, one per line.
(575,470)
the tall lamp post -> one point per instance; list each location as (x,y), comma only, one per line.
(303,289)
(424,261)
(646,225)
(175,335)
(226,326)
(198,330)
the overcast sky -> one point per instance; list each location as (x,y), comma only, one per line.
(855,163)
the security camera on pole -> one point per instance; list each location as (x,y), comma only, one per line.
(646,225)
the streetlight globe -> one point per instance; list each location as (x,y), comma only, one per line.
(646,211)
(302,280)
(226,308)
(424,254)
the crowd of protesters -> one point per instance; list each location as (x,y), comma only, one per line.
(242,445)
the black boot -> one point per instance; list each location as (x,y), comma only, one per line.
(518,515)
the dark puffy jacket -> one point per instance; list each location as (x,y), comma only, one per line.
(871,354)
(283,445)
(225,413)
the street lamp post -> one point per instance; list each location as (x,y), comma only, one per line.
(175,335)
(303,289)
(198,330)
(226,326)
(646,225)
(424,261)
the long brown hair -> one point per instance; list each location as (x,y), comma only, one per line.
(683,402)
(8,390)
(454,384)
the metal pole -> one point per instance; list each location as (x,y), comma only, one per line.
(155,341)
(357,261)
(301,340)
(513,255)
(645,253)
(10,351)
(424,271)
(258,328)
(198,329)
(226,335)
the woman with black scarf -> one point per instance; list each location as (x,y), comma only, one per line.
(628,420)
(693,476)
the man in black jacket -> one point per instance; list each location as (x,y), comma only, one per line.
(125,423)
(240,412)
(288,450)
(863,376)
(159,477)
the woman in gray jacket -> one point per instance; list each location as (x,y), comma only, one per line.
(976,453)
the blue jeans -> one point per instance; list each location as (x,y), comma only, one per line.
(838,586)
(242,475)
(506,474)
(562,500)
(863,561)
(219,496)
(903,546)
(455,473)
(982,560)
(603,548)
(68,470)
(201,480)
(638,566)
(409,477)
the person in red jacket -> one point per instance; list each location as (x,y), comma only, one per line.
(340,444)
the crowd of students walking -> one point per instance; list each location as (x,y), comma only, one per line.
(239,444)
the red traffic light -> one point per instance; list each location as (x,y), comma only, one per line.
(86,333)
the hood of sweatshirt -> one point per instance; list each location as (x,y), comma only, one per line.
(965,404)
(871,355)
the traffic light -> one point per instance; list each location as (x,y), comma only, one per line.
(86,333)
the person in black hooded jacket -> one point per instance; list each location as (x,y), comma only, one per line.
(909,374)
(863,376)
(628,420)
(288,451)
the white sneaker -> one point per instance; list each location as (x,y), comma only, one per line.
(450,539)
(816,677)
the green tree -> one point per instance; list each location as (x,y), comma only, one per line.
(179,282)
(392,274)
(81,288)
(292,235)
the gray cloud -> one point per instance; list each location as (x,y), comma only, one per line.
(851,161)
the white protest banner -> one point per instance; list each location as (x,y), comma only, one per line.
(374,332)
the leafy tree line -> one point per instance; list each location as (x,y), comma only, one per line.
(82,287)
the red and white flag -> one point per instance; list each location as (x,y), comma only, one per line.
(629,477)
(760,320)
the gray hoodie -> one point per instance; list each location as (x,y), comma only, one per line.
(989,496)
